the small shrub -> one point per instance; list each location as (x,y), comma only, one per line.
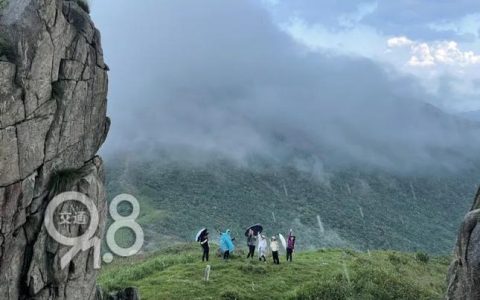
(349,252)
(83,5)
(3,4)
(422,257)
(64,180)
(336,288)
(230,295)
(252,269)
(396,259)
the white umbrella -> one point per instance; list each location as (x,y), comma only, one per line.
(283,241)
(200,234)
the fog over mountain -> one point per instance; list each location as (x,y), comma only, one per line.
(221,77)
(472,115)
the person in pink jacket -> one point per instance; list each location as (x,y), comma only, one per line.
(290,245)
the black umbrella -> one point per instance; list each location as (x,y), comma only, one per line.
(257,228)
(201,233)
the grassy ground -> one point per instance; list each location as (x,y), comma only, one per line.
(177,273)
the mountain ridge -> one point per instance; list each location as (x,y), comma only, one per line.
(358,207)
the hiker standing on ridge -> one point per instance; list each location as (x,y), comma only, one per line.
(251,243)
(262,247)
(274,247)
(205,246)
(226,244)
(290,245)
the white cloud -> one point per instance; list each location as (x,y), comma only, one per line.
(445,69)
(435,53)
(449,53)
(399,41)
(433,62)
(421,56)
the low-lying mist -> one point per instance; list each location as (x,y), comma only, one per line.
(220,77)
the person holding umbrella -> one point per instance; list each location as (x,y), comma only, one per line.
(205,246)
(202,238)
(251,234)
(290,245)
(251,243)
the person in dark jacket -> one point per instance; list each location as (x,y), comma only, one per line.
(251,244)
(290,245)
(205,246)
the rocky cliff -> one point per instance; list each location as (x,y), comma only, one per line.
(464,273)
(53,98)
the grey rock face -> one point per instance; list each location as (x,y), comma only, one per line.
(464,273)
(53,101)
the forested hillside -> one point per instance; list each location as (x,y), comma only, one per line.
(350,207)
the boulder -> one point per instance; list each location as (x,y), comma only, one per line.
(463,277)
(53,99)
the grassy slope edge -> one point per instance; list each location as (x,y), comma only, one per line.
(177,273)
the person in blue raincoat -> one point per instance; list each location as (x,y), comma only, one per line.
(226,244)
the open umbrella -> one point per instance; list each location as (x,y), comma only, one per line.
(283,241)
(200,234)
(257,228)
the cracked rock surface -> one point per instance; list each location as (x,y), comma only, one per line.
(464,273)
(53,101)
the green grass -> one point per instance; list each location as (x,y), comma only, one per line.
(177,273)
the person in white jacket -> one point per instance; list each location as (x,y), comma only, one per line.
(274,248)
(262,247)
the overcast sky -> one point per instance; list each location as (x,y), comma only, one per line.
(272,76)
(436,40)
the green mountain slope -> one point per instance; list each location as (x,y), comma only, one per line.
(356,207)
(177,273)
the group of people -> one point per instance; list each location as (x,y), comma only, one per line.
(254,240)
